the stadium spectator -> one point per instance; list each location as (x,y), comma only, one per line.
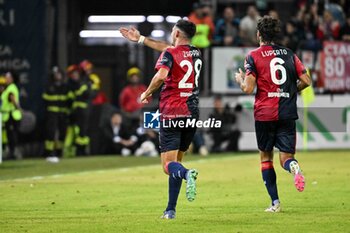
(129,97)
(274,14)
(118,137)
(58,101)
(248,27)
(198,143)
(227,29)
(226,137)
(148,142)
(345,30)
(11,114)
(337,11)
(308,22)
(328,28)
(291,39)
(202,18)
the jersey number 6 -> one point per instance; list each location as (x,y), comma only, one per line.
(277,64)
(197,68)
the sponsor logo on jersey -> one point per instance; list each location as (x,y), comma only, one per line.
(279,93)
(185,94)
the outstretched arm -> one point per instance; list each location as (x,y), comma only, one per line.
(132,34)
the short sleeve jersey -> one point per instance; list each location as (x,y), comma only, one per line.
(277,70)
(179,95)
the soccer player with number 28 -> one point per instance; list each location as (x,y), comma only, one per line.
(178,69)
(279,75)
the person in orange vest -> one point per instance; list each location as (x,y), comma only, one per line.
(202,18)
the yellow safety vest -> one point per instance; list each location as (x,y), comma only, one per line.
(200,39)
(7,107)
(96,82)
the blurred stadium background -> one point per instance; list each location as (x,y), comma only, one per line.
(84,195)
(37,35)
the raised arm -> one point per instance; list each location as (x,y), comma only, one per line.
(132,34)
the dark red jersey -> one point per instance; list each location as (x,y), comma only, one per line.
(179,94)
(276,70)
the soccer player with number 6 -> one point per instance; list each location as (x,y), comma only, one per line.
(178,69)
(278,75)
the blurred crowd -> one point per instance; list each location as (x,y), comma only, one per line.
(79,120)
(77,111)
(307,29)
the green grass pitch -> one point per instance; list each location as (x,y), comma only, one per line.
(114,194)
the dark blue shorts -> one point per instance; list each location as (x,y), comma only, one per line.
(281,134)
(175,138)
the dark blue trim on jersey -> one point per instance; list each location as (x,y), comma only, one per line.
(167,60)
(250,65)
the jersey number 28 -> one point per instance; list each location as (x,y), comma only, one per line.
(197,68)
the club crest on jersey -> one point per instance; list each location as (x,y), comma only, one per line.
(164,60)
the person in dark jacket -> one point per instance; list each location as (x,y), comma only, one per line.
(227,29)
(57,100)
(226,137)
(118,137)
(81,92)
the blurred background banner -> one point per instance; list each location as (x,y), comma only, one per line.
(225,62)
(335,66)
(23,47)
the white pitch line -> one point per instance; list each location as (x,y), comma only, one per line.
(123,169)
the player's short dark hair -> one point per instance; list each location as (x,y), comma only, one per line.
(269,28)
(187,27)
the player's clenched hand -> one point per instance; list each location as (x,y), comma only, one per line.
(131,33)
(239,76)
(143,98)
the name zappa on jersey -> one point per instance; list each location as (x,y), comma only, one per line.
(191,53)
